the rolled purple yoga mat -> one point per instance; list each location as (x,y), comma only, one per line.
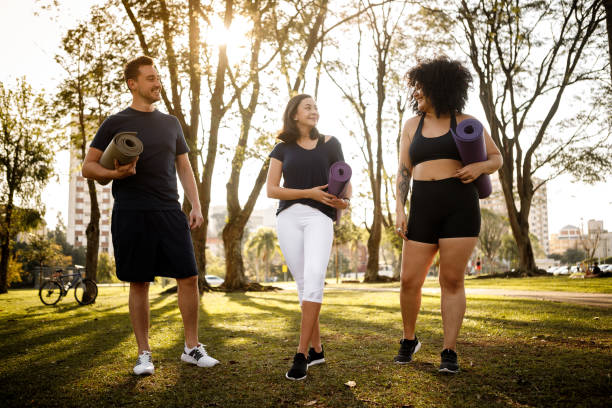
(469,139)
(339,177)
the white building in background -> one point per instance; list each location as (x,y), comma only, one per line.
(538,216)
(567,238)
(571,237)
(217,217)
(263,218)
(79,208)
(603,238)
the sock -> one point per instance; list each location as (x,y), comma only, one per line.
(189,350)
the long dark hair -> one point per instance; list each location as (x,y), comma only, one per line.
(290,132)
(444,81)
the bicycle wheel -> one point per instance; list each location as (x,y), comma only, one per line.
(85,292)
(50,293)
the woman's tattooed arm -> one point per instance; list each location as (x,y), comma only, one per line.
(403,184)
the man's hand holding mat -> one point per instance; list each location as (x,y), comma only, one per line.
(121,155)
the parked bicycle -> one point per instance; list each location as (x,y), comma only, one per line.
(54,288)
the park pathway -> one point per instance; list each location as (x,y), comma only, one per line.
(580,298)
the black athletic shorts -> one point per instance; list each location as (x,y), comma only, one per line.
(152,243)
(443,209)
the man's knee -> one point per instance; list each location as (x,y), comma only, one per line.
(139,286)
(191,281)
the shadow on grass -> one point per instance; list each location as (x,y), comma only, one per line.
(70,359)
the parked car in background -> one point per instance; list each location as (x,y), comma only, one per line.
(606,267)
(561,270)
(385,270)
(213,280)
(552,269)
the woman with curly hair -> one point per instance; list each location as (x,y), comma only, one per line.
(444,210)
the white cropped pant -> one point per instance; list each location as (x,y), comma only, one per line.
(305,236)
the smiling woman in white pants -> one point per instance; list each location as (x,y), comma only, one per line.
(304,216)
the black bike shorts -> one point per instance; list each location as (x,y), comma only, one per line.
(152,243)
(444,208)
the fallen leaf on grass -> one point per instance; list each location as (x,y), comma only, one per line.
(350,384)
(310,403)
(596,318)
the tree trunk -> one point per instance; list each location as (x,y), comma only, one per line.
(198,238)
(6,246)
(232,244)
(527,265)
(519,220)
(234,229)
(199,235)
(608,5)
(93,234)
(371,274)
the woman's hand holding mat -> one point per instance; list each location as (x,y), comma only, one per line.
(339,177)
(121,154)
(470,142)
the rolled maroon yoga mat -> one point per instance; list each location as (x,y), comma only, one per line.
(469,139)
(339,177)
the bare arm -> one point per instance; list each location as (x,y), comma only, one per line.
(404,168)
(494,157)
(404,174)
(94,170)
(185,174)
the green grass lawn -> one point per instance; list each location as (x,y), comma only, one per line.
(513,353)
(546,283)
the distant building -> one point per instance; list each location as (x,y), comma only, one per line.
(603,238)
(538,215)
(79,208)
(218,217)
(567,238)
(570,237)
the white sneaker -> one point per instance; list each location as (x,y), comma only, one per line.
(144,364)
(198,356)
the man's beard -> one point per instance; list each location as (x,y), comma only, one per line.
(147,97)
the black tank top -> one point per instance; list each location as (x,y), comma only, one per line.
(433,148)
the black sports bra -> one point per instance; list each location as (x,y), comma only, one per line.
(433,148)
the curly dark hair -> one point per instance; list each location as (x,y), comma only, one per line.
(444,82)
(290,132)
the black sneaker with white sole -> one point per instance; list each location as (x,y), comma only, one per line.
(449,362)
(407,349)
(298,369)
(315,358)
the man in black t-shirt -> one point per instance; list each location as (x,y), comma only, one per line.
(151,235)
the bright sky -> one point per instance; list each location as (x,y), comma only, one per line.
(29,43)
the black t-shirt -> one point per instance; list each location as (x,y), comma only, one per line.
(153,187)
(304,169)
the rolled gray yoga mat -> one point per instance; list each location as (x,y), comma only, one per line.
(469,139)
(339,176)
(125,148)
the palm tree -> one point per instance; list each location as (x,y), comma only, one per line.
(265,243)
